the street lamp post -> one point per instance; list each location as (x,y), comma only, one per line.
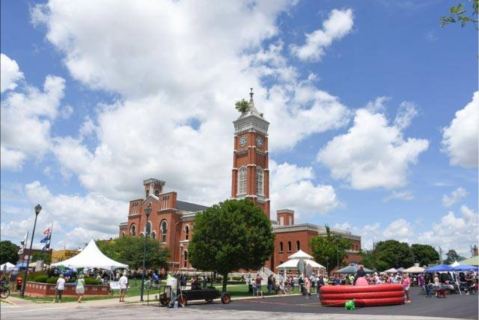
(147,213)
(38,208)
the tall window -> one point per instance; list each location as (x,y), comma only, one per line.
(187,232)
(153,235)
(259,181)
(289,245)
(163,230)
(242,180)
(281,246)
(298,245)
(132,230)
(185,258)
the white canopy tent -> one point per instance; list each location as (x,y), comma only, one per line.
(300,254)
(7,267)
(91,257)
(415,269)
(392,270)
(294,263)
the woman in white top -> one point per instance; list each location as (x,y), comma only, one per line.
(60,286)
(123,282)
(80,287)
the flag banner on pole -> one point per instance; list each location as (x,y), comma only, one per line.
(47,231)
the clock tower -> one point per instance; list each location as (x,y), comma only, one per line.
(250,177)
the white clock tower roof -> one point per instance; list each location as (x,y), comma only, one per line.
(251,120)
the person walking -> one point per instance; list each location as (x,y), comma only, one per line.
(59,287)
(123,283)
(258,280)
(80,287)
(406,284)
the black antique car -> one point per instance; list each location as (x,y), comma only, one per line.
(207,294)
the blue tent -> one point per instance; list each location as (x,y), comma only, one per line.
(465,267)
(440,268)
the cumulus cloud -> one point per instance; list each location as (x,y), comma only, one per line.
(293,188)
(338,25)
(27,118)
(455,196)
(178,85)
(372,153)
(93,212)
(399,195)
(10,73)
(460,138)
(451,231)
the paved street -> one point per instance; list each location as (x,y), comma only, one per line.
(292,307)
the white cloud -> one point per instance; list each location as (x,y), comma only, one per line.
(26,121)
(338,24)
(455,196)
(10,73)
(93,212)
(406,112)
(373,153)
(293,188)
(178,85)
(460,139)
(400,230)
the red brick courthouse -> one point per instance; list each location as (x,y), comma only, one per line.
(171,219)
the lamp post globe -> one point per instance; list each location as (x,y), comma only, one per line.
(146,234)
(38,208)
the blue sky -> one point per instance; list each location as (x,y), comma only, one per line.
(372,107)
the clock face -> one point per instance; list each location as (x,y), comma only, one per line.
(243,141)
(259,141)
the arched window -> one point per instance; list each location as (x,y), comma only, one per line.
(289,246)
(185,258)
(187,232)
(163,230)
(148,228)
(242,180)
(132,230)
(153,235)
(259,181)
(298,245)
(281,246)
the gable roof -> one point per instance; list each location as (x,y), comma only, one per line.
(189,207)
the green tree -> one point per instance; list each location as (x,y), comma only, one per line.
(231,235)
(424,254)
(392,253)
(330,249)
(367,259)
(8,252)
(45,256)
(459,14)
(129,250)
(452,256)
(242,106)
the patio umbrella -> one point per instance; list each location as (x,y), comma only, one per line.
(414,269)
(391,270)
(474,261)
(440,268)
(465,268)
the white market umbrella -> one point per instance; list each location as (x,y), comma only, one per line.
(300,254)
(414,269)
(293,264)
(392,270)
(455,264)
(90,257)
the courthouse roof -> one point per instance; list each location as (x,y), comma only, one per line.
(188,206)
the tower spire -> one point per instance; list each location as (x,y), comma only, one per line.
(251,96)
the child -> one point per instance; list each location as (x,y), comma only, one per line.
(406,284)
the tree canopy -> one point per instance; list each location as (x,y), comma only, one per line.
(231,235)
(459,14)
(242,106)
(330,249)
(452,256)
(388,254)
(8,252)
(424,254)
(129,250)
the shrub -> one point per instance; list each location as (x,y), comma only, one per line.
(52,279)
(41,278)
(92,281)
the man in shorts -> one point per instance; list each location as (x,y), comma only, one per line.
(123,282)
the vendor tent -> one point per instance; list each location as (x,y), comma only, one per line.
(7,267)
(474,261)
(300,254)
(414,269)
(293,264)
(391,270)
(353,269)
(91,257)
(440,268)
(465,268)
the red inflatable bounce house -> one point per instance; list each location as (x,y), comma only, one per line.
(363,296)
